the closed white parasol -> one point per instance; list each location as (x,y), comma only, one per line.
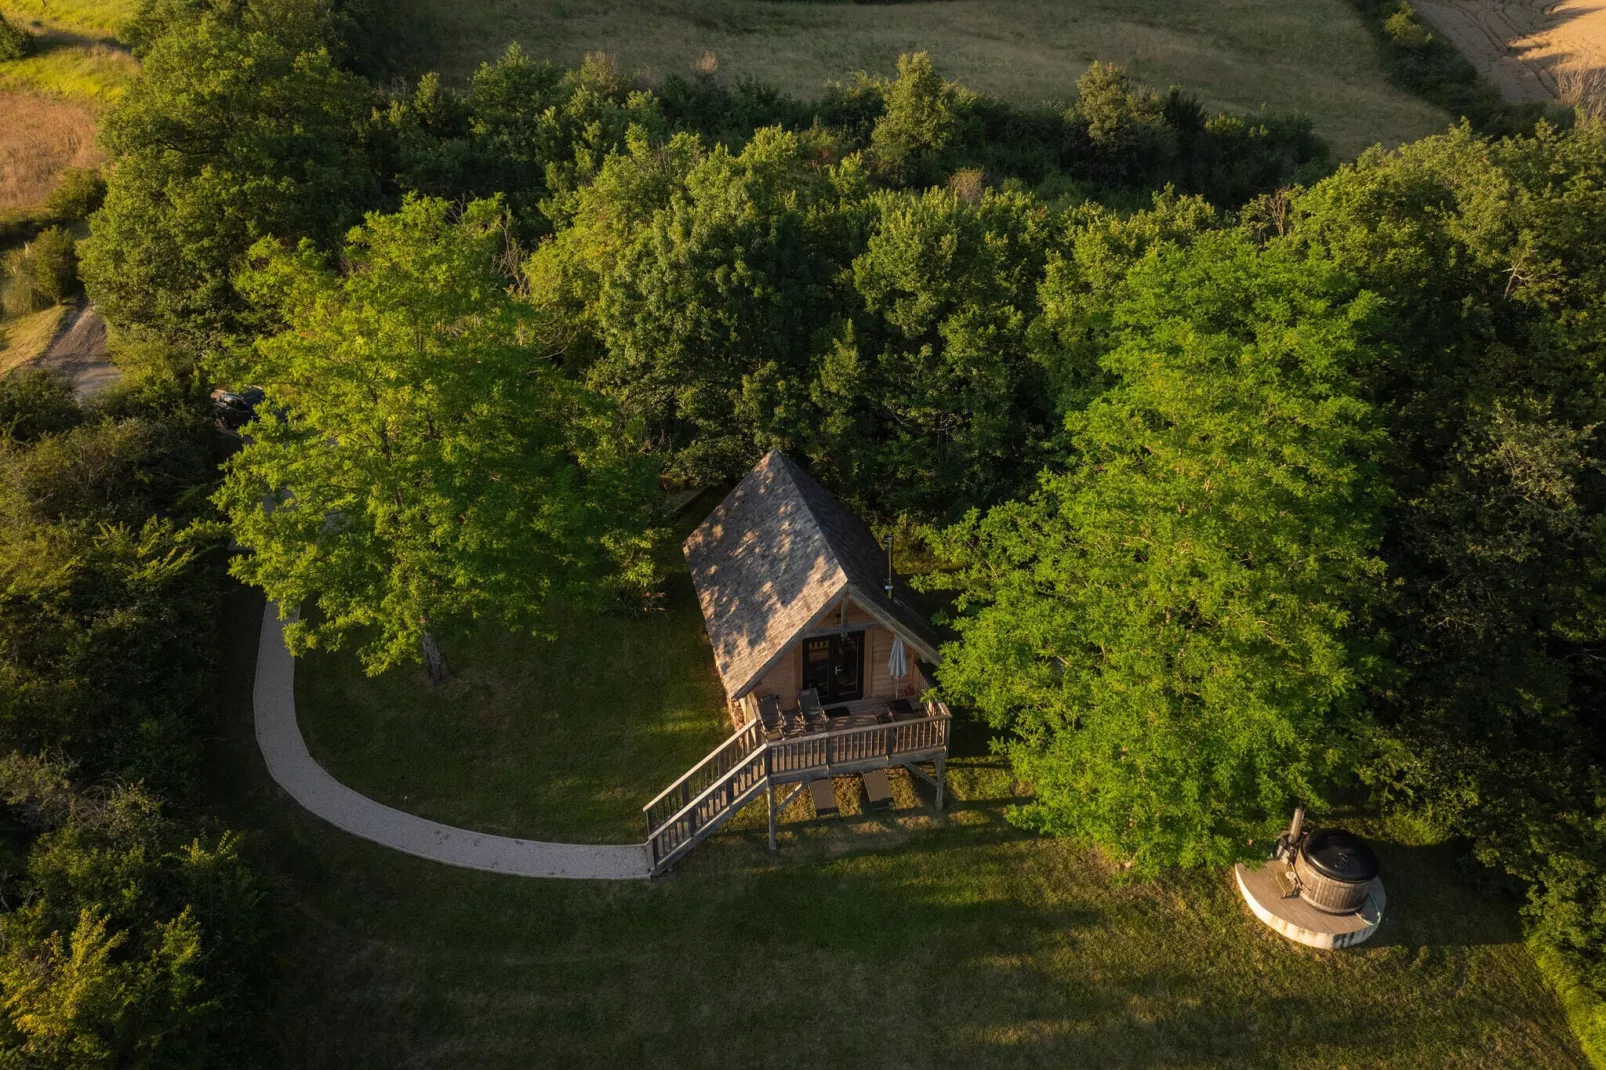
(897,661)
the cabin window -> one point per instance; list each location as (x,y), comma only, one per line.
(834,666)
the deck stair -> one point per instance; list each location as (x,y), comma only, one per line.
(747,765)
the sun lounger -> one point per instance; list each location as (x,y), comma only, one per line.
(877,789)
(823,792)
(809,705)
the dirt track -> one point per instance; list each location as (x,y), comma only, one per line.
(79,353)
(1525,48)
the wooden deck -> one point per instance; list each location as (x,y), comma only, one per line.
(747,766)
(1298,920)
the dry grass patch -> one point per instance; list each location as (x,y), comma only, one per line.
(40,138)
(26,338)
(1530,50)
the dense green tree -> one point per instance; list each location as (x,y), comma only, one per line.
(1175,628)
(568,270)
(925,124)
(106,649)
(104,471)
(737,302)
(1124,124)
(1491,257)
(125,944)
(728,284)
(530,131)
(1084,279)
(42,273)
(426,464)
(926,398)
(128,937)
(101,586)
(240,126)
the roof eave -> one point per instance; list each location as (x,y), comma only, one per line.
(891,623)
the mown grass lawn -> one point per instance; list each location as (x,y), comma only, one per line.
(1313,56)
(903,938)
(563,738)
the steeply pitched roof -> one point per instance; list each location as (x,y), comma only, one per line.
(774,555)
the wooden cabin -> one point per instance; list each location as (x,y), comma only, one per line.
(805,618)
(797,595)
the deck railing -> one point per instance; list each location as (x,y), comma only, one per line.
(734,774)
(792,759)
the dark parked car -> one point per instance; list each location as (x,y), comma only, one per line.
(235,410)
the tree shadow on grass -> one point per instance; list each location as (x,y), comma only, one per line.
(1433,904)
(944,952)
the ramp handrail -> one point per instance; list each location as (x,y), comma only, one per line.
(714,767)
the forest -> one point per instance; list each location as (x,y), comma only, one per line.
(1247,477)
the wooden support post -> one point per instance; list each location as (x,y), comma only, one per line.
(942,778)
(769,789)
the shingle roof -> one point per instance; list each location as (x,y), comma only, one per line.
(774,555)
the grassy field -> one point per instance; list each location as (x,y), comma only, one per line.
(49,101)
(26,337)
(93,18)
(41,137)
(566,738)
(1314,56)
(71,67)
(899,939)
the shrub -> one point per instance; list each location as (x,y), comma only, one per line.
(969,184)
(1125,124)
(15,42)
(78,192)
(35,402)
(925,121)
(42,273)
(1403,29)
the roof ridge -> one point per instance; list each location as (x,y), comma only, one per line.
(793,470)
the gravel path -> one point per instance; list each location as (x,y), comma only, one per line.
(294,770)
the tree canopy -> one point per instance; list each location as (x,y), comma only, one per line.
(240,125)
(425,464)
(1176,627)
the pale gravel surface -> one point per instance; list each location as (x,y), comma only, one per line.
(293,768)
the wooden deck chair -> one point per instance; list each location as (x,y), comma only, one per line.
(809,708)
(876,788)
(823,792)
(769,716)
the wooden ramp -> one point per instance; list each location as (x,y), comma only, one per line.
(746,766)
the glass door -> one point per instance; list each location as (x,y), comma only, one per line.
(834,666)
